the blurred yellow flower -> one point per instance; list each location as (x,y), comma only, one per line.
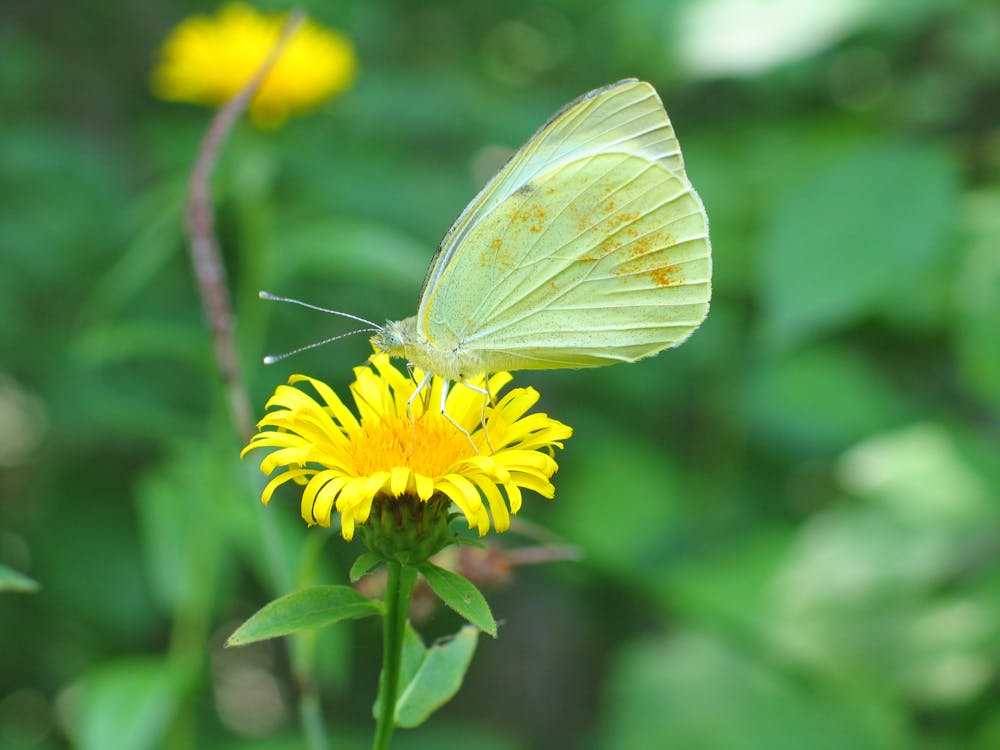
(394,450)
(207,60)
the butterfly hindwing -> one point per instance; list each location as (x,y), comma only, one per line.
(600,260)
(589,247)
(626,116)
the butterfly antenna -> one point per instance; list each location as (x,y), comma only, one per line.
(275,298)
(270,359)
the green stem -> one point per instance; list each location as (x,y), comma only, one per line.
(311,719)
(397,604)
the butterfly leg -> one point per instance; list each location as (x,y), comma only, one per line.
(488,399)
(444,412)
(479,389)
(421,387)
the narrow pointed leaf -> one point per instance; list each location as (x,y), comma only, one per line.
(438,679)
(11,580)
(313,607)
(363,565)
(459,594)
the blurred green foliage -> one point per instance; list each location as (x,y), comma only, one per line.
(790,525)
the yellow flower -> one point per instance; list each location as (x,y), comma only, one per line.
(207,60)
(393,451)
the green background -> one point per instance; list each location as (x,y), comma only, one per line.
(790,525)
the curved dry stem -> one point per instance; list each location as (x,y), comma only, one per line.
(206,260)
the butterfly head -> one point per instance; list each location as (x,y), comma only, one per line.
(392,338)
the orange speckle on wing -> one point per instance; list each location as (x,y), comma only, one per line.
(640,247)
(491,255)
(610,245)
(533,215)
(494,256)
(606,224)
(644,261)
(666,276)
(625,217)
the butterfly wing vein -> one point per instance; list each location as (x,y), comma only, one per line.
(589,247)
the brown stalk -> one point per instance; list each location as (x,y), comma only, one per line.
(206,260)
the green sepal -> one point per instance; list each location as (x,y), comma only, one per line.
(438,679)
(407,529)
(11,580)
(459,594)
(313,607)
(364,565)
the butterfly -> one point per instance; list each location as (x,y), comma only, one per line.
(588,248)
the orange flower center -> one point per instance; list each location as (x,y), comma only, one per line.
(429,445)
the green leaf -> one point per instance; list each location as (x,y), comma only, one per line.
(11,580)
(844,241)
(680,687)
(629,465)
(780,399)
(363,565)
(186,562)
(461,596)
(154,222)
(978,297)
(127,705)
(414,653)
(318,654)
(391,258)
(313,607)
(438,679)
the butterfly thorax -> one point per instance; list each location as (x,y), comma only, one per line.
(450,361)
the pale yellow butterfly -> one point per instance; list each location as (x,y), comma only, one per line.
(589,247)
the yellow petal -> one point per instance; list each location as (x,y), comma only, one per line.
(318,501)
(340,412)
(463,493)
(425,486)
(498,508)
(399,481)
(265,496)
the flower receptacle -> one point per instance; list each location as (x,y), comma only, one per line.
(406,529)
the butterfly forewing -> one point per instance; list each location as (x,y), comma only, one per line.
(626,117)
(603,259)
